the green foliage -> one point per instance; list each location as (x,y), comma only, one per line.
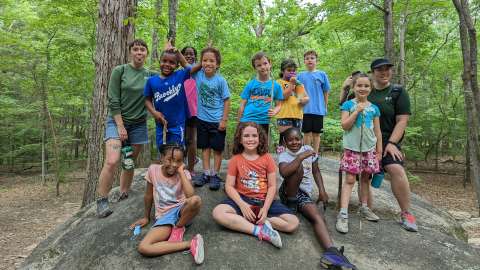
(47,50)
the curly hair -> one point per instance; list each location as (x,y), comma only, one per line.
(238,148)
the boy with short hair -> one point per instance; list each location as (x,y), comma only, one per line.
(317,86)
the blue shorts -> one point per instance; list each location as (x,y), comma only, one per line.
(294,122)
(175,134)
(169,218)
(276,209)
(137,133)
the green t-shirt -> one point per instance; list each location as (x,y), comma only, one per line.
(125,93)
(389,109)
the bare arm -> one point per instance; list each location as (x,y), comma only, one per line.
(348,119)
(325,98)
(147,200)
(226,108)
(288,168)
(271,190)
(398,131)
(233,194)
(276,109)
(159,117)
(186,184)
(322,194)
(241,108)
(122,132)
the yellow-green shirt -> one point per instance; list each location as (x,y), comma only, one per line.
(291,108)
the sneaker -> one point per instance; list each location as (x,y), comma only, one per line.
(176,235)
(267,233)
(201,180)
(280,149)
(103,210)
(334,257)
(368,214)
(123,196)
(342,224)
(196,249)
(408,222)
(214,183)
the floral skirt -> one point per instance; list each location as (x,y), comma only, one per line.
(350,162)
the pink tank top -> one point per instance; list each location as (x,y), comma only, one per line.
(191,92)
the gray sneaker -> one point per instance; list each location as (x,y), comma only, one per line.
(102,208)
(368,214)
(342,224)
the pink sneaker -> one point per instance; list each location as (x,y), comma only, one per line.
(176,235)
(196,249)
(267,233)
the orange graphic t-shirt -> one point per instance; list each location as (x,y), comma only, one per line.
(251,175)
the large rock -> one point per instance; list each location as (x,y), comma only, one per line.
(86,242)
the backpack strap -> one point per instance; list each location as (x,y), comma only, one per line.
(395,94)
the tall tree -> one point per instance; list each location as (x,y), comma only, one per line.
(468,40)
(115,29)
(156,23)
(172,20)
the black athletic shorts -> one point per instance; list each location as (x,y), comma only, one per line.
(191,122)
(208,136)
(312,123)
(388,159)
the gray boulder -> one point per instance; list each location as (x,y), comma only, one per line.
(86,242)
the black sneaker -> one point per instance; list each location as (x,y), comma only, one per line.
(334,257)
(214,183)
(123,196)
(201,180)
(103,210)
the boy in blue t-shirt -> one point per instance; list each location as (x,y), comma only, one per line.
(317,86)
(255,105)
(165,97)
(213,106)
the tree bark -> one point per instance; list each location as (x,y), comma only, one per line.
(172,20)
(388,28)
(469,53)
(158,13)
(261,24)
(401,59)
(114,30)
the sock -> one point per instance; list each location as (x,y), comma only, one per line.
(213,172)
(256,230)
(344,212)
(364,205)
(206,172)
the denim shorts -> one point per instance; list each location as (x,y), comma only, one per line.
(137,133)
(169,218)
(294,122)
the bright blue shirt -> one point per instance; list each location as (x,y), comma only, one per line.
(211,92)
(316,83)
(258,96)
(168,96)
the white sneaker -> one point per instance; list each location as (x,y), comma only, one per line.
(368,214)
(342,224)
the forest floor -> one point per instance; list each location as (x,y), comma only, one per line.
(30,210)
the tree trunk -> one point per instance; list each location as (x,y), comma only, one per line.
(172,20)
(401,59)
(158,13)
(388,28)
(469,53)
(261,24)
(114,30)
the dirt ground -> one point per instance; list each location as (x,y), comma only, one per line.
(30,210)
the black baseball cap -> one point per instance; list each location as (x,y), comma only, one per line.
(380,62)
